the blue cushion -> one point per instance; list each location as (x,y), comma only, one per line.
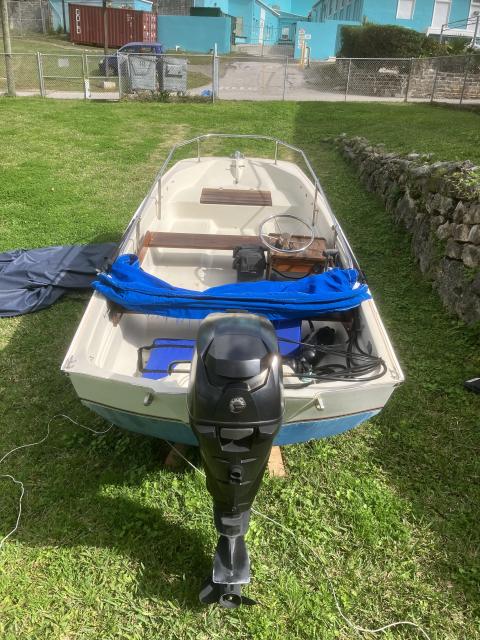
(291,330)
(167,350)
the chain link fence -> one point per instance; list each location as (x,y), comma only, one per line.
(165,75)
(251,78)
(26,71)
(27,16)
(454,79)
(449,79)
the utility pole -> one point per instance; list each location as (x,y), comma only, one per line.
(7,46)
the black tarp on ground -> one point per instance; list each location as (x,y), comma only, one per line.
(33,279)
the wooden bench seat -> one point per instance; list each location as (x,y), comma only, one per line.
(169,240)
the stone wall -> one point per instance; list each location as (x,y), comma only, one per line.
(450,78)
(439,204)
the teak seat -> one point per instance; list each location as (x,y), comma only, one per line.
(169,240)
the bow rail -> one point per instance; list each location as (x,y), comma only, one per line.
(156,190)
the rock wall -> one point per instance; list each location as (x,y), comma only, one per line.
(449,78)
(439,204)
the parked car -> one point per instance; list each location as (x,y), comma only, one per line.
(111,61)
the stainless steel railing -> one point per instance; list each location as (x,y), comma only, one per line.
(156,190)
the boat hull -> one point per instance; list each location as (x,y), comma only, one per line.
(177,431)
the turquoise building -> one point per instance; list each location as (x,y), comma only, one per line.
(266,22)
(425,16)
(317,24)
(296,24)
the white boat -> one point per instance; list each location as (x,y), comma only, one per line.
(196,213)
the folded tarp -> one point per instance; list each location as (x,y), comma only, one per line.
(36,278)
(132,288)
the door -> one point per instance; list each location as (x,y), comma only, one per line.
(441,13)
(261,26)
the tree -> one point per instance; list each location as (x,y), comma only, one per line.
(7,46)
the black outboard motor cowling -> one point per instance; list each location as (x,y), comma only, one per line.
(236,406)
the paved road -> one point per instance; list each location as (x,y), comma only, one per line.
(269,80)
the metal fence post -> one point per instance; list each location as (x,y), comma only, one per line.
(119,67)
(408,79)
(214,73)
(285,77)
(84,76)
(40,74)
(348,78)
(462,95)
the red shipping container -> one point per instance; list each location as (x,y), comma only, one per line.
(124,25)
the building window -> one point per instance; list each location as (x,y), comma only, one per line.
(474,8)
(474,12)
(405,9)
(356,11)
(441,13)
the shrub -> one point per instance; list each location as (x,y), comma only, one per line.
(387,41)
(458,45)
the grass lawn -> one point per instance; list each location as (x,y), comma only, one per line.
(113,546)
(32,43)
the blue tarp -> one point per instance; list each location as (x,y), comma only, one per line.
(129,286)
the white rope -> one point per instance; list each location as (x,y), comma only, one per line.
(305,542)
(34,444)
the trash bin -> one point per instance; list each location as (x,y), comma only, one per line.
(173,75)
(142,72)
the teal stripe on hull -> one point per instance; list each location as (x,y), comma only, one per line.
(291,433)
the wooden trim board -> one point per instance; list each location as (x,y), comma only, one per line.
(248,197)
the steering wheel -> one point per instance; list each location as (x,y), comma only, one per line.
(281,240)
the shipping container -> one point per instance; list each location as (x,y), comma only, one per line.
(124,25)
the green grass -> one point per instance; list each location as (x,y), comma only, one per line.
(113,546)
(197,79)
(32,43)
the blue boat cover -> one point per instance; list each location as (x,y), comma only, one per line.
(33,279)
(132,288)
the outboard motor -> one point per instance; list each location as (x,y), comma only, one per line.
(236,406)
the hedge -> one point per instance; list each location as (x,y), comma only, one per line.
(387,41)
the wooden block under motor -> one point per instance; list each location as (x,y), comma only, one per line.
(276,468)
(174,461)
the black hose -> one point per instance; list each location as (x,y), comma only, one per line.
(358,364)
